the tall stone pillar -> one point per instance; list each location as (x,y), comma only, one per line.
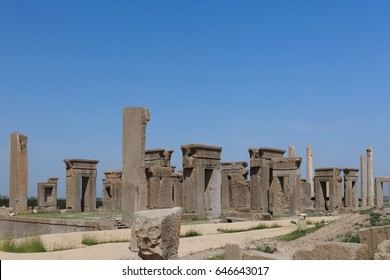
(134,182)
(363,179)
(18,172)
(309,180)
(291,151)
(370,178)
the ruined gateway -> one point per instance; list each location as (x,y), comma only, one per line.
(205,187)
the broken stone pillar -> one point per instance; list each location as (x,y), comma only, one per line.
(351,199)
(306,195)
(379,190)
(328,189)
(18,172)
(370,178)
(178,192)
(112,189)
(291,151)
(134,183)
(157,233)
(236,191)
(81,184)
(225,189)
(363,181)
(309,180)
(161,179)
(261,176)
(290,168)
(202,180)
(47,195)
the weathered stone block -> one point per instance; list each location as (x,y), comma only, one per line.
(233,252)
(334,251)
(157,233)
(383,251)
(257,255)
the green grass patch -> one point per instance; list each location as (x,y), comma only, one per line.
(299,233)
(351,238)
(217,257)
(89,240)
(257,227)
(32,244)
(376,219)
(266,249)
(191,233)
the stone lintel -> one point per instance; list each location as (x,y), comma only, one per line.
(159,171)
(234,167)
(286,163)
(351,172)
(382,179)
(158,157)
(113,174)
(81,164)
(201,151)
(327,171)
(265,153)
(53,180)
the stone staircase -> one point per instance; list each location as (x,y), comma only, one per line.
(120,225)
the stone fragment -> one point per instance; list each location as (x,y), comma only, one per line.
(334,251)
(257,255)
(157,233)
(233,252)
(383,252)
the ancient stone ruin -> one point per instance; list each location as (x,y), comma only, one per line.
(351,197)
(18,172)
(202,180)
(261,176)
(164,188)
(47,195)
(328,189)
(81,184)
(379,190)
(235,190)
(157,233)
(112,189)
(134,182)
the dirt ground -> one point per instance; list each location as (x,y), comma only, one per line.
(210,244)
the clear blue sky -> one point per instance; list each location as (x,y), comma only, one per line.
(235,74)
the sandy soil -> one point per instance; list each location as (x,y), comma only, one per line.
(209,244)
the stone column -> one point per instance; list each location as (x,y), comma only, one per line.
(291,151)
(379,193)
(134,182)
(363,179)
(18,172)
(310,168)
(370,178)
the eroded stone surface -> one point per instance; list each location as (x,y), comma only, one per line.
(157,233)
(334,251)
(18,172)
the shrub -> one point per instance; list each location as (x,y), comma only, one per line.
(191,233)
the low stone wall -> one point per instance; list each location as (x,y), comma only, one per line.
(20,226)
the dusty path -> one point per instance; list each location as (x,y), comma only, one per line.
(211,239)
